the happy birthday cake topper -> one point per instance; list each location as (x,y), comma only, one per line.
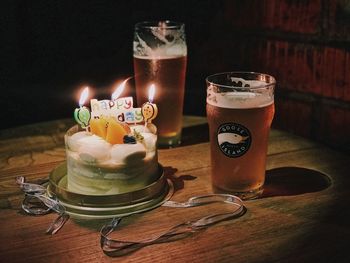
(122,109)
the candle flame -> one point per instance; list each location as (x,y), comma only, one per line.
(84,95)
(151,91)
(119,90)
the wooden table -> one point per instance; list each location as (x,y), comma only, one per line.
(302,217)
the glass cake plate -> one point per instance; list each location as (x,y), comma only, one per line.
(82,206)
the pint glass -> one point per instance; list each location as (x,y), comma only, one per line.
(160,58)
(240,109)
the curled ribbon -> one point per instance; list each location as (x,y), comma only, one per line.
(36,202)
(115,248)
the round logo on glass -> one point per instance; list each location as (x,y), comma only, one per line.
(233,139)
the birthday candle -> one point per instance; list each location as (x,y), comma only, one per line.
(149,109)
(82,114)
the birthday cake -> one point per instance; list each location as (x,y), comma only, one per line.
(114,151)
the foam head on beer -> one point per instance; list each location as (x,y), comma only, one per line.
(240,94)
(167,41)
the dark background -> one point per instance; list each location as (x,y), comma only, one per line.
(49,49)
(52,48)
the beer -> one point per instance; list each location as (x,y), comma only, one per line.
(239,124)
(160,57)
(168,75)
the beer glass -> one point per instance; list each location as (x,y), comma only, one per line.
(240,109)
(160,58)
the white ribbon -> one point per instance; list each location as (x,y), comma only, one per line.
(114,248)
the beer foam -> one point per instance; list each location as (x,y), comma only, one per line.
(163,53)
(172,46)
(241,99)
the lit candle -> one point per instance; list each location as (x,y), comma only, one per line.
(119,90)
(82,115)
(149,109)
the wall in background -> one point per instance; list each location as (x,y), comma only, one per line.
(51,48)
(306,46)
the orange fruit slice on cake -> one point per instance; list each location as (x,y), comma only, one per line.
(116,131)
(99,127)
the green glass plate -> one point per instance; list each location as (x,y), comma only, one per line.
(82,206)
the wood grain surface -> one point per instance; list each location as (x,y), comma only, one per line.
(303,215)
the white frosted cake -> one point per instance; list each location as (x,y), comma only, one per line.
(111,158)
